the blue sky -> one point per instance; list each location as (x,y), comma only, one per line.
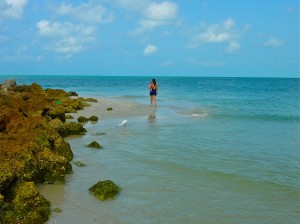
(245,38)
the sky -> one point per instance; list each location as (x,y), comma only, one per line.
(209,38)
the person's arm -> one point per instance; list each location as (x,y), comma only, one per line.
(156,89)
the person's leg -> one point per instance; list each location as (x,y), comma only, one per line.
(151,100)
(154,100)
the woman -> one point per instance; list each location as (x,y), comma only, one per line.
(153,87)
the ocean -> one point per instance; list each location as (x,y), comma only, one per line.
(215,150)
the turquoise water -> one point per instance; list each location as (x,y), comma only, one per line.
(216,150)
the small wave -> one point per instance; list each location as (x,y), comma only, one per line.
(195,112)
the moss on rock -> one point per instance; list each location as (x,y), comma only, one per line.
(26,205)
(104,190)
(75,128)
(95,145)
(93,118)
(82,119)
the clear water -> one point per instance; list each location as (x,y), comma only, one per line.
(217,150)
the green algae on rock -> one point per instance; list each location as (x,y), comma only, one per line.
(95,145)
(104,190)
(32,127)
(26,205)
(82,119)
(93,118)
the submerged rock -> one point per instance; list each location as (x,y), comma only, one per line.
(93,118)
(26,205)
(104,190)
(56,210)
(95,144)
(109,108)
(78,163)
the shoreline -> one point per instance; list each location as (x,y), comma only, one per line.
(33,149)
(119,109)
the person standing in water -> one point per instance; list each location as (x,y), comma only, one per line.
(153,87)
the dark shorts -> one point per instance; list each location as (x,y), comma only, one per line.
(153,92)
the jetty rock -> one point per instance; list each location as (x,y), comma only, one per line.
(33,150)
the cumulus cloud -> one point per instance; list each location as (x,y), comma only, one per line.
(233,47)
(12,9)
(86,12)
(273,42)
(155,15)
(79,27)
(224,32)
(150,49)
(66,37)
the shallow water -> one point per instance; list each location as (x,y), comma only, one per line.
(221,151)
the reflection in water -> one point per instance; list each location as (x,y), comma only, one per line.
(151,115)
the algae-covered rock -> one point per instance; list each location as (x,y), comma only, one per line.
(53,167)
(95,145)
(69,116)
(57,112)
(104,190)
(6,177)
(75,128)
(27,205)
(82,119)
(1,201)
(93,118)
(109,108)
(63,148)
(90,100)
(72,93)
(59,126)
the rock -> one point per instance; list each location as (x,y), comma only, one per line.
(75,128)
(95,144)
(82,119)
(68,116)
(72,93)
(90,100)
(53,167)
(78,163)
(59,126)
(8,84)
(56,210)
(1,201)
(104,190)
(93,118)
(57,112)
(63,148)
(109,108)
(27,205)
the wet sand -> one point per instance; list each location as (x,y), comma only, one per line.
(120,109)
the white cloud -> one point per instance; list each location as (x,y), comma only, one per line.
(12,9)
(219,33)
(67,38)
(86,12)
(273,42)
(155,15)
(150,49)
(233,47)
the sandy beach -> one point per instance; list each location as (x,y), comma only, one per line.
(120,109)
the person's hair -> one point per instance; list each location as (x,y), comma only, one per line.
(154,82)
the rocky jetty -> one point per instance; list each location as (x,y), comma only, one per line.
(32,147)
